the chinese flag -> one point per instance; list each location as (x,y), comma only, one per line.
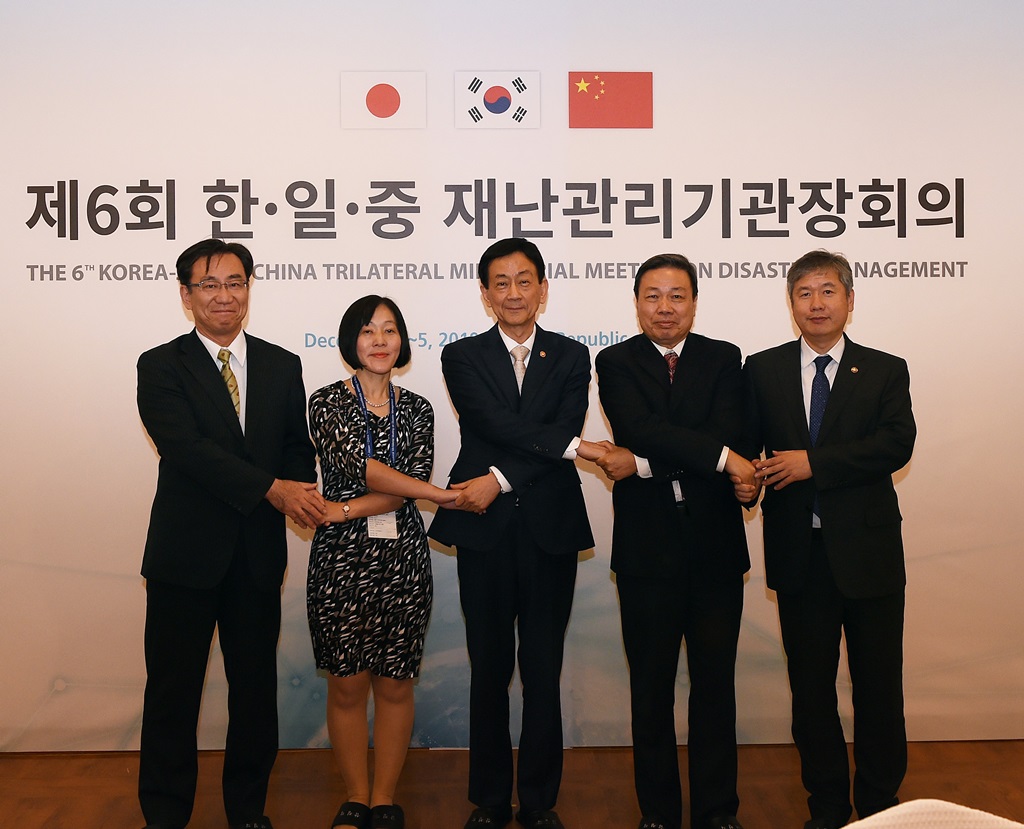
(611,100)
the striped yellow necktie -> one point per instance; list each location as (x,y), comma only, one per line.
(229,378)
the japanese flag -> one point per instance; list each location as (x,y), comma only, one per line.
(383,100)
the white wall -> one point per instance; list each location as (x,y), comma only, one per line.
(113,93)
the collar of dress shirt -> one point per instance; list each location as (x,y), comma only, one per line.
(677,348)
(237,348)
(510,343)
(808,354)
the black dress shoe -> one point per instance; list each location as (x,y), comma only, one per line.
(539,819)
(484,818)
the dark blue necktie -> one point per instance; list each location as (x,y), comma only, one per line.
(819,395)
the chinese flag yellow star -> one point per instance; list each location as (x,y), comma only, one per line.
(611,100)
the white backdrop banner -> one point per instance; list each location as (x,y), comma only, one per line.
(369,148)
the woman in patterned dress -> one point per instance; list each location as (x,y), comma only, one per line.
(369,586)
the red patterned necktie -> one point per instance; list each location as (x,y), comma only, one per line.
(671,358)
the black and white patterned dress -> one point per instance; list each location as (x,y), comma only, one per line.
(368,599)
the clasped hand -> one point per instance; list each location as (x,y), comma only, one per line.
(783,468)
(616,462)
(300,501)
(743,475)
(476,494)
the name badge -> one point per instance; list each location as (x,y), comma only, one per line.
(382,526)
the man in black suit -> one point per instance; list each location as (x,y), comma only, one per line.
(521,396)
(674,400)
(226,412)
(835,421)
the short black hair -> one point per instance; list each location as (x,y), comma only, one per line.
(667,260)
(208,249)
(506,247)
(359,314)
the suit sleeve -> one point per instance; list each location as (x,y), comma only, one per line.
(524,447)
(753,439)
(648,432)
(298,454)
(888,437)
(170,417)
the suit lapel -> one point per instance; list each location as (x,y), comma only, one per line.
(542,361)
(688,369)
(843,386)
(197,361)
(791,388)
(498,363)
(651,362)
(256,387)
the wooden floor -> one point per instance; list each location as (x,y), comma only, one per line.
(97,791)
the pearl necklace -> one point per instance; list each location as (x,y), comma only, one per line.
(375,405)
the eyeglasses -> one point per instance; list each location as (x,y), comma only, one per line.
(212,286)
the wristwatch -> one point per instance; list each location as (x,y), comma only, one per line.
(346,509)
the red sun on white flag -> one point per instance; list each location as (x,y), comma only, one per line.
(383,100)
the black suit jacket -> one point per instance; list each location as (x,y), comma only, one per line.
(680,428)
(212,478)
(524,436)
(866,435)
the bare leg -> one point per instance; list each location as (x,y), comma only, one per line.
(349,732)
(394,710)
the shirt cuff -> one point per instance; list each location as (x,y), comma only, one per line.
(722,459)
(643,467)
(570,453)
(502,480)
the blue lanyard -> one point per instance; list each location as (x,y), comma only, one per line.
(392,420)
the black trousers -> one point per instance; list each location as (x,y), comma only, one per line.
(180,623)
(658,613)
(515,587)
(813,621)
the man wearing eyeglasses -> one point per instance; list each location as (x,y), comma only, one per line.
(226,412)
